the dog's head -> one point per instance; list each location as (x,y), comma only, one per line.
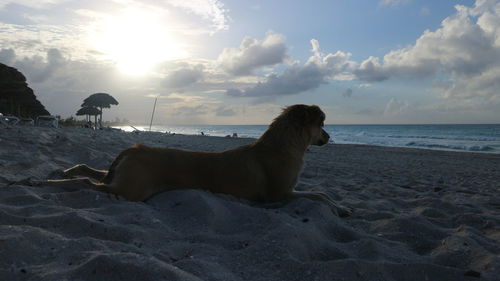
(311,119)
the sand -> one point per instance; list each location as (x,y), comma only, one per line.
(418,215)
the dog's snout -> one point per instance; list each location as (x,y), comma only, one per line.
(325,135)
(324,138)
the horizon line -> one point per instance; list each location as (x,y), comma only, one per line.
(343,124)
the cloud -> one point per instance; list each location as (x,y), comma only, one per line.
(462,56)
(31,3)
(298,78)
(61,83)
(364,85)
(209,10)
(37,68)
(466,45)
(396,106)
(484,86)
(193,92)
(190,111)
(225,111)
(294,80)
(184,77)
(205,112)
(29,40)
(212,10)
(347,93)
(393,2)
(253,54)
(82,27)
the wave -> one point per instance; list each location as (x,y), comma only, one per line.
(364,134)
(453,147)
(472,148)
(480,138)
(445,138)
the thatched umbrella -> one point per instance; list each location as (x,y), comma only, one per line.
(89,111)
(100,100)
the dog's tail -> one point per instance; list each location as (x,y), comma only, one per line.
(108,178)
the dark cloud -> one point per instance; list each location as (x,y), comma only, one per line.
(190,111)
(294,80)
(371,70)
(253,54)
(347,93)
(298,78)
(184,77)
(224,111)
(38,69)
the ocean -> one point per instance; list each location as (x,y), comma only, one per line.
(476,138)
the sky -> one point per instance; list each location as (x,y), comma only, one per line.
(241,61)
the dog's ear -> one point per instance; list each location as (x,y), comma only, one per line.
(298,113)
(315,115)
(306,114)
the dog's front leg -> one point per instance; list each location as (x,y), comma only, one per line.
(338,210)
(85,171)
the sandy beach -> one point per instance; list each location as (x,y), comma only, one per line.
(418,215)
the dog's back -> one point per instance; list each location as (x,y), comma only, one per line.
(237,172)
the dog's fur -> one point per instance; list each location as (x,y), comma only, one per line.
(264,171)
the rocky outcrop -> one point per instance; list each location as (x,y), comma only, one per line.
(16,98)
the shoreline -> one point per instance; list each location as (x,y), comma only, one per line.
(417,214)
(469,140)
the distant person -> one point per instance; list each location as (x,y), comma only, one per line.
(88,124)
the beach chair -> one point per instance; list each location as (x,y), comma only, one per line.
(2,122)
(9,120)
(47,121)
(26,122)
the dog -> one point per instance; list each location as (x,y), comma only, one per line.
(266,170)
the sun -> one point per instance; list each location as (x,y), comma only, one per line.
(136,40)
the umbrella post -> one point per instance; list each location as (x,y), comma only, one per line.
(152,114)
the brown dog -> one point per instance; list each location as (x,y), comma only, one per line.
(264,171)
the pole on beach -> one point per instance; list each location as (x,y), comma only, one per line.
(152,114)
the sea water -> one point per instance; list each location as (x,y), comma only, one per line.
(477,138)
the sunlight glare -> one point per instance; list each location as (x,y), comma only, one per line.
(136,40)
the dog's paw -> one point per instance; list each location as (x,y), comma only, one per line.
(67,174)
(73,171)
